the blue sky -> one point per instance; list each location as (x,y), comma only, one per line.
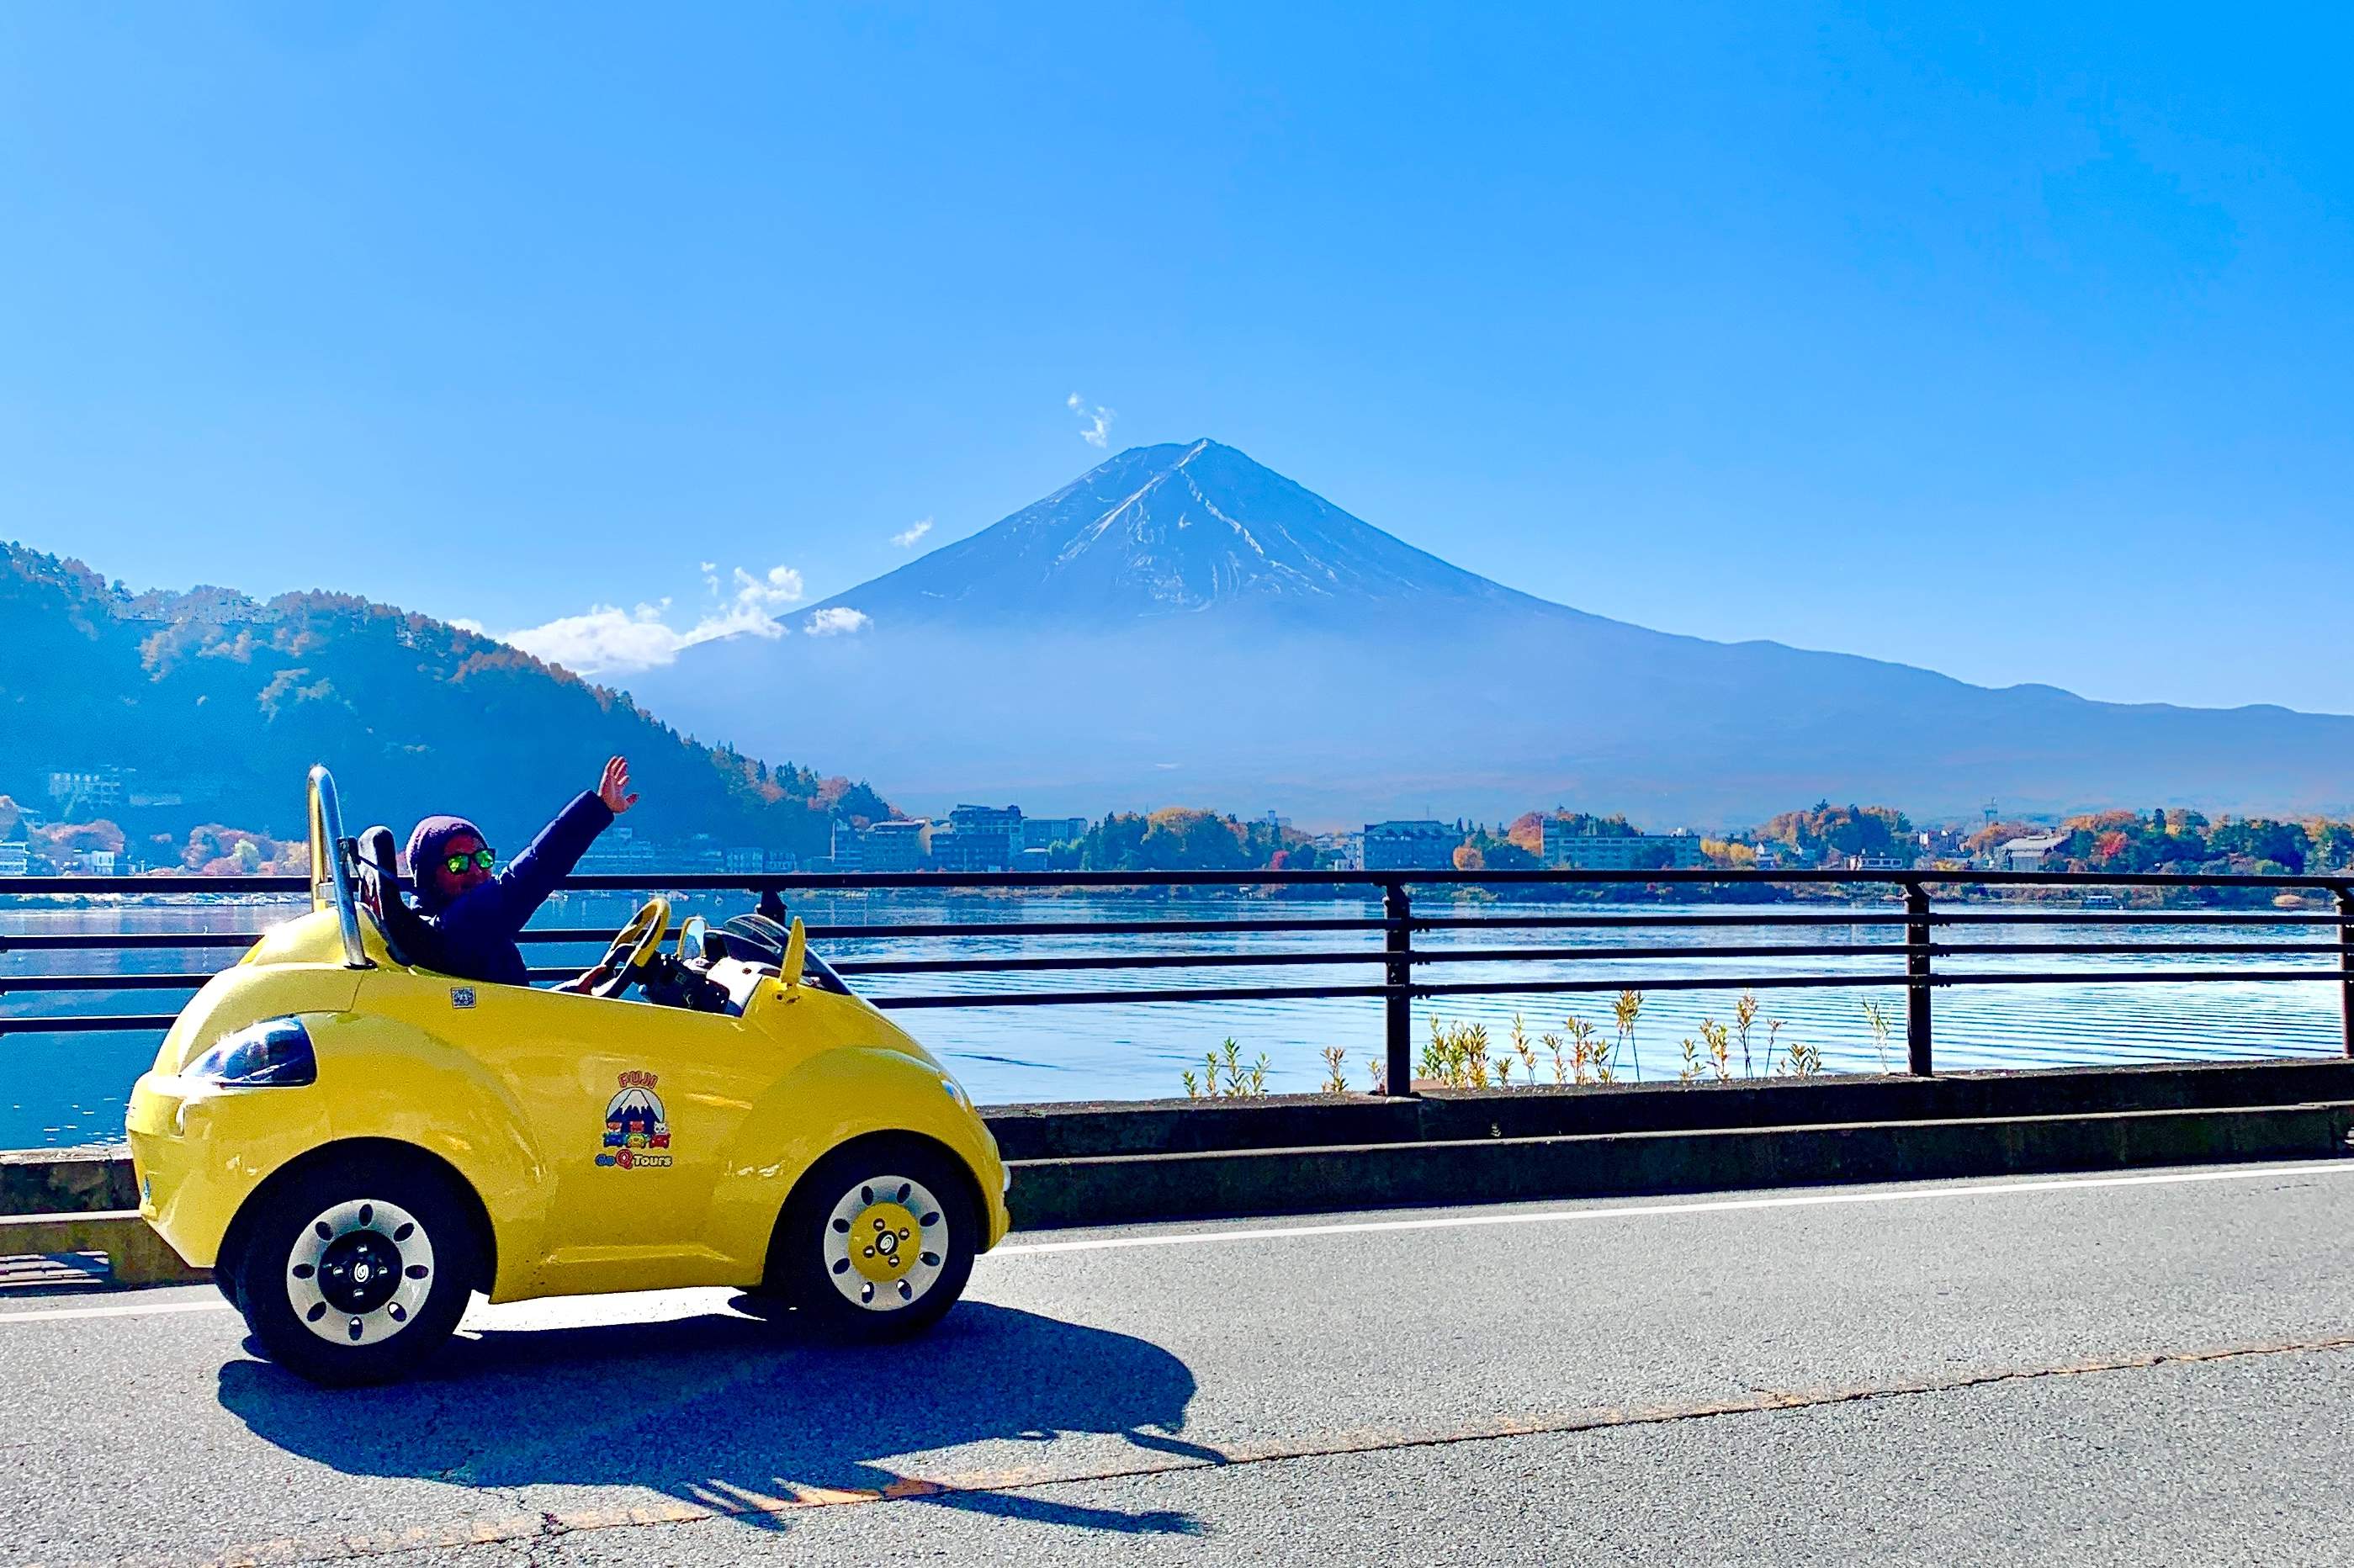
(2009,343)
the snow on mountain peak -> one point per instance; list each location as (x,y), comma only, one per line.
(1168,529)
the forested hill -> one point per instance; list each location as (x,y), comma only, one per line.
(224,702)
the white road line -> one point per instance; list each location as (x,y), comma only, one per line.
(128,1311)
(1711,1206)
(1450,1222)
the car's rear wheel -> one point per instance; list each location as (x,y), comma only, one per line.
(356,1270)
(878,1240)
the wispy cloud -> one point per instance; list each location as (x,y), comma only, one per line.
(608,640)
(1098,423)
(907,538)
(837,623)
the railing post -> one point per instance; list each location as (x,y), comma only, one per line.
(1397,972)
(2346,964)
(1918,1053)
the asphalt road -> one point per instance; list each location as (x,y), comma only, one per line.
(2150,1368)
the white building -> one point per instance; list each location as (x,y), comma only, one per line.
(1568,850)
(897,845)
(86,791)
(2032,854)
(1339,852)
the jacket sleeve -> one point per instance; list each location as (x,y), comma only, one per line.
(528,880)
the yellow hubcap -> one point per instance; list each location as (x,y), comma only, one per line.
(884,1239)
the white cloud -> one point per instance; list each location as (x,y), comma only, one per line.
(780,586)
(837,623)
(915,531)
(609,640)
(1098,431)
(467,623)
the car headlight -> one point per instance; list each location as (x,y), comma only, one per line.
(274,1053)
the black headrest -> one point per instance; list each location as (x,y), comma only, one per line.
(407,936)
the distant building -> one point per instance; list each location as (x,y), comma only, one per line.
(15,859)
(71,791)
(985,838)
(1876,862)
(96,863)
(1568,850)
(1339,852)
(1045,833)
(848,848)
(1032,860)
(896,845)
(1416,844)
(746,860)
(617,852)
(2031,854)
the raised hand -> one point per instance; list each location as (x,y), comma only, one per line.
(614,788)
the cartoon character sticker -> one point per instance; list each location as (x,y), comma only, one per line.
(637,1131)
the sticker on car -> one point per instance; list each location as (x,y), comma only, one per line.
(637,1130)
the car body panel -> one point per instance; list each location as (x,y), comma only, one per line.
(615,1145)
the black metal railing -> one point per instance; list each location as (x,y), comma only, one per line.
(1921,962)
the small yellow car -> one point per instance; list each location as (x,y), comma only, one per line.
(354,1143)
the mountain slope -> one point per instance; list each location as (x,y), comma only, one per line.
(225,703)
(1173,530)
(1182,623)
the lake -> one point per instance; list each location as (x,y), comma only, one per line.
(67,1089)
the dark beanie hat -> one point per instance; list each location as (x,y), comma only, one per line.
(426,842)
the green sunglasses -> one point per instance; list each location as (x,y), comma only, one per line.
(481,857)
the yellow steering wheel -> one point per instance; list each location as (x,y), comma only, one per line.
(636,942)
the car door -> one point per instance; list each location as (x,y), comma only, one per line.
(634,1105)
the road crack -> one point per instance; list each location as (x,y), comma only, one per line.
(710,1501)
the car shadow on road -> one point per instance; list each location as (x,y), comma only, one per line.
(742,1416)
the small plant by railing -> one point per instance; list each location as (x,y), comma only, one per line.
(1460,1055)
(1877,1020)
(1627,1008)
(1223,1077)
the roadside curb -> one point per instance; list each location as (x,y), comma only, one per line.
(1126,1189)
(1129,1162)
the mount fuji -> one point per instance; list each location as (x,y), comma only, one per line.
(1183,625)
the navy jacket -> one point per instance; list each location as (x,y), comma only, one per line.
(474,934)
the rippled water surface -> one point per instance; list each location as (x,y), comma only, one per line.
(70,1088)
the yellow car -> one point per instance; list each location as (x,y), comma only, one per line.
(354,1143)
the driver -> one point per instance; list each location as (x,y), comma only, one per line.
(475,912)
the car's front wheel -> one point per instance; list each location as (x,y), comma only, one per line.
(356,1269)
(878,1240)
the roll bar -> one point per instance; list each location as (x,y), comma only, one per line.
(330,866)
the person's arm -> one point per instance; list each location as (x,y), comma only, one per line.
(526,882)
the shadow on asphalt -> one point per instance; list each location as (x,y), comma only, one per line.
(724,1411)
